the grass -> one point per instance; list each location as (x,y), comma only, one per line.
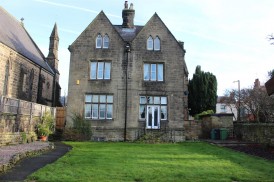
(187,161)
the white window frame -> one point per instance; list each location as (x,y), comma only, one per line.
(143,102)
(106,42)
(149,67)
(150,43)
(99,41)
(96,106)
(105,74)
(157,44)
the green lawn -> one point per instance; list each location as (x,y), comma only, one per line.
(187,161)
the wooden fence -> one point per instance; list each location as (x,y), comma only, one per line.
(60,117)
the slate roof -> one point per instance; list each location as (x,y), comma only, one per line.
(15,36)
(128,34)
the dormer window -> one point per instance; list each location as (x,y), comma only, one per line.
(99,41)
(105,42)
(153,44)
(157,44)
(150,43)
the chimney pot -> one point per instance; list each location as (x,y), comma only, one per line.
(126,5)
(128,16)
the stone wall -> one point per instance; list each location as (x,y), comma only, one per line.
(255,132)
(18,120)
(17,129)
(213,121)
(193,129)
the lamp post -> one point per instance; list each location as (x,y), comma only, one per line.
(239,100)
(127,50)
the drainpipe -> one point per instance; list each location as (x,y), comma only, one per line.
(127,49)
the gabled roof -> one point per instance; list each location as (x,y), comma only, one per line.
(15,36)
(128,34)
(101,16)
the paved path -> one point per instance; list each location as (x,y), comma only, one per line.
(29,165)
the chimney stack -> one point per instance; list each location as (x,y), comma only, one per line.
(128,16)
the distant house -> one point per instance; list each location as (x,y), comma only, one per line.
(128,79)
(25,73)
(223,107)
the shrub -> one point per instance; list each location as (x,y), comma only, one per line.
(80,131)
(198,116)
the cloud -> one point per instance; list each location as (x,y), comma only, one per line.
(67,6)
(81,9)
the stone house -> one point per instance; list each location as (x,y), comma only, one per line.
(25,73)
(127,79)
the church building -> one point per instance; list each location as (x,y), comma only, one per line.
(25,73)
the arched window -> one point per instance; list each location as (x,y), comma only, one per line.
(106,42)
(150,43)
(157,44)
(99,41)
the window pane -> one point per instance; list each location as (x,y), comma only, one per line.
(163,112)
(102,111)
(109,111)
(142,112)
(94,111)
(146,71)
(100,70)
(99,41)
(95,99)
(163,100)
(106,42)
(150,43)
(107,71)
(157,45)
(150,100)
(156,100)
(102,98)
(160,72)
(153,72)
(88,111)
(88,98)
(93,66)
(109,99)
(143,100)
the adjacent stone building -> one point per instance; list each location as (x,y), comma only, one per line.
(25,73)
(128,80)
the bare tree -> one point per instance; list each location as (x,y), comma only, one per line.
(254,101)
(271,38)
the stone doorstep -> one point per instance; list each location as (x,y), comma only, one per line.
(18,157)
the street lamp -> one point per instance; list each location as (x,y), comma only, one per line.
(127,50)
(239,100)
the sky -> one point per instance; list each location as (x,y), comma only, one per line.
(225,37)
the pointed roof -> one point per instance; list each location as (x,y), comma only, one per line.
(15,36)
(54,32)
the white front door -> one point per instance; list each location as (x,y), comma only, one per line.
(153,117)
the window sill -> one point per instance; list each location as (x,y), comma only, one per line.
(100,80)
(100,120)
